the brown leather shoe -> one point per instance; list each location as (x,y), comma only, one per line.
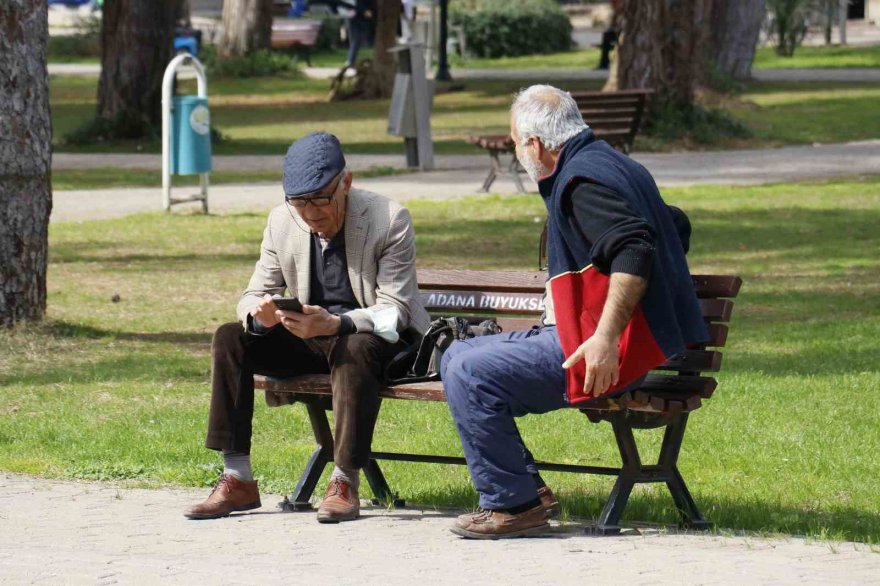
(340,503)
(230,494)
(548,501)
(501,524)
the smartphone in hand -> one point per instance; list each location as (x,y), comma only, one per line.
(288,304)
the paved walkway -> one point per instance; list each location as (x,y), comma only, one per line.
(89,533)
(458,175)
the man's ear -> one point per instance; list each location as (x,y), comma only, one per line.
(539,148)
(347,179)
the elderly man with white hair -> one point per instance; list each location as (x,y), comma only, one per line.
(620,301)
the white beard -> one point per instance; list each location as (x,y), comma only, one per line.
(534,168)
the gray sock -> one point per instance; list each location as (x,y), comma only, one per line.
(350,475)
(237,464)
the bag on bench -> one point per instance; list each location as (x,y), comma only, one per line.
(420,362)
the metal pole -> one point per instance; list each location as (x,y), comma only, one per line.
(443,60)
(841,16)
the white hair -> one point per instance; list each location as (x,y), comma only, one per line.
(548,114)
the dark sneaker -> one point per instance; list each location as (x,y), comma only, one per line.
(548,501)
(230,494)
(501,524)
(340,503)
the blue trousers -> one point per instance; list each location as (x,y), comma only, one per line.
(489,381)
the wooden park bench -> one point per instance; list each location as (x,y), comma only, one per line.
(614,116)
(515,299)
(298,36)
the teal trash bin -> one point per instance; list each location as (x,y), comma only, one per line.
(190,136)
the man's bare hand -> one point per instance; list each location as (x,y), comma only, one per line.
(313,321)
(265,312)
(603,371)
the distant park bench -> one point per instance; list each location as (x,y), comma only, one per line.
(614,116)
(298,36)
(515,299)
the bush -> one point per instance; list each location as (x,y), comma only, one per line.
(788,24)
(64,47)
(508,28)
(85,43)
(328,37)
(263,63)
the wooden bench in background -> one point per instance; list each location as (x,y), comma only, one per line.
(515,298)
(298,36)
(614,116)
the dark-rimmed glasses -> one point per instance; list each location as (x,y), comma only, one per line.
(319,201)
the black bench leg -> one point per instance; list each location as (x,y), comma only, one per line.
(513,169)
(323,455)
(494,169)
(684,502)
(381,492)
(609,520)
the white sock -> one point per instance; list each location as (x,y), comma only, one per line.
(237,464)
(350,475)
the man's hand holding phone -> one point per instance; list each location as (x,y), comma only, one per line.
(266,312)
(313,321)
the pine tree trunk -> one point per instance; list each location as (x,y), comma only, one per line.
(137,38)
(25,160)
(380,82)
(247,27)
(735,28)
(663,46)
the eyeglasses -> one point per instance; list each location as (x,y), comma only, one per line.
(319,201)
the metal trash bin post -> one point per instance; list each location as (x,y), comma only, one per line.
(186,133)
(410,113)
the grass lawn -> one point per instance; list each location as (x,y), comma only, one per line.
(109,177)
(835,56)
(765,58)
(789,442)
(807,113)
(262,116)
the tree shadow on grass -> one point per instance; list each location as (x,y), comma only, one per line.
(838,359)
(796,233)
(77,254)
(70,330)
(145,363)
(140,366)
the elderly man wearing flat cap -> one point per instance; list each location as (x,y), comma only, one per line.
(349,256)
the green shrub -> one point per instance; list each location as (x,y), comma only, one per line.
(328,37)
(263,63)
(64,47)
(508,28)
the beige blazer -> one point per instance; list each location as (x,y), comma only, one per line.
(381,253)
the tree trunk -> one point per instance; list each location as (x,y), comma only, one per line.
(247,27)
(25,160)
(663,46)
(380,81)
(137,38)
(830,11)
(735,28)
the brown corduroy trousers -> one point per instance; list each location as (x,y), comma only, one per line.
(355,363)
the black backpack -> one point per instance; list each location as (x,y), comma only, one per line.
(420,362)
